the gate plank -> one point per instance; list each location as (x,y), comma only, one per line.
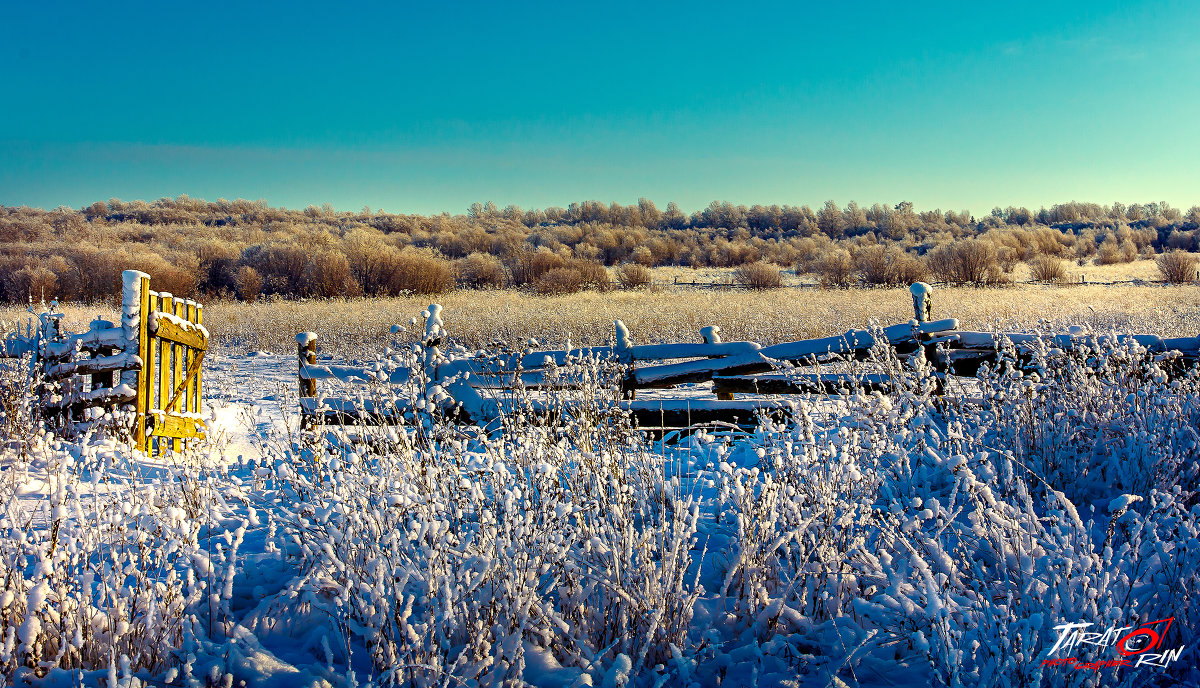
(172,332)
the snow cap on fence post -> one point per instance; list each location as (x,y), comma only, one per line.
(711,334)
(131,319)
(131,292)
(921,294)
(306,353)
(622,334)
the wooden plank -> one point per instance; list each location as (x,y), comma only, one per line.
(189,364)
(87,341)
(181,389)
(97,367)
(854,342)
(166,304)
(663,352)
(306,355)
(681,413)
(195,391)
(101,377)
(177,379)
(103,397)
(172,332)
(776,383)
(176,428)
(146,353)
(346,373)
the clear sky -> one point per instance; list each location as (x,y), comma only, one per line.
(430,106)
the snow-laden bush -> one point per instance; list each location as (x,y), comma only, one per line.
(938,533)
(450,553)
(930,531)
(107,563)
(19,414)
(935,535)
(1104,417)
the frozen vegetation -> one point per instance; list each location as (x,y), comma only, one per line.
(904,540)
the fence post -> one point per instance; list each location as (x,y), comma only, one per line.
(306,354)
(711,335)
(623,343)
(144,381)
(922,307)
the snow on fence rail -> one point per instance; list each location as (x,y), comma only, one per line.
(733,367)
(148,364)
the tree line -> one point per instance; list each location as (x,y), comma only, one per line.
(248,249)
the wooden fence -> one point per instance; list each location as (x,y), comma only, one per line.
(149,364)
(739,371)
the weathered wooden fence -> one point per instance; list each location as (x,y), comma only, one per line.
(149,364)
(734,368)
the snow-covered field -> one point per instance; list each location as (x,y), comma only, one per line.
(907,540)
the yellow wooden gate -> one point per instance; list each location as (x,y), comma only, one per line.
(172,342)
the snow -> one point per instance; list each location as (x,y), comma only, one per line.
(659,352)
(868,541)
(121,361)
(1123,502)
(905,331)
(114,337)
(183,324)
(653,374)
(306,338)
(921,294)
(433,322)
(622,335)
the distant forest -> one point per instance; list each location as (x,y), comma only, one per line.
(248,249)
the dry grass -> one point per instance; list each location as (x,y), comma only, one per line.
(1142,269)
(356,328)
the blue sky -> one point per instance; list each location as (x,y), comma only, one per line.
(429,107)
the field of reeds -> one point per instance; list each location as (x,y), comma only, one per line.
(358,327)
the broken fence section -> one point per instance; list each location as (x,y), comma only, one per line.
(734,368)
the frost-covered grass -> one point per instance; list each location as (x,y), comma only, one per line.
(479,318)
(912,539)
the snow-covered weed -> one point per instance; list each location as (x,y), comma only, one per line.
(450,553)
(102,565)
(934,535)
(956,535)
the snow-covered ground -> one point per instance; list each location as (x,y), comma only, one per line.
(907,540)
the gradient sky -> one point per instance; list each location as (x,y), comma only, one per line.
(431,106)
